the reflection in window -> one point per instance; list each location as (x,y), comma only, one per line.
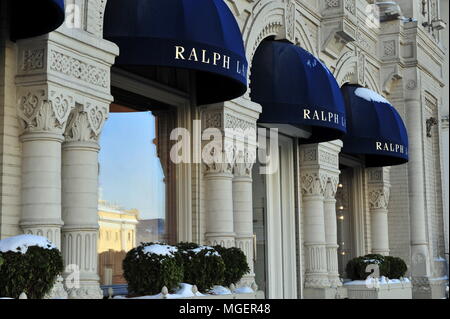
(132,190)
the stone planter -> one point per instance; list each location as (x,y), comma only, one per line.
(396,289)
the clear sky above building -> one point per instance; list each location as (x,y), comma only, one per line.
(130,171)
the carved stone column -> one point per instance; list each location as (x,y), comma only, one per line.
(42,112)
(80,197)
(229,213)
(219,204)
(319,178)
(313,185)
(420,254)
(379,191)
(331,230)
(243,210)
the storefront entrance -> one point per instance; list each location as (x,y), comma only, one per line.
(274,225)
(350,212)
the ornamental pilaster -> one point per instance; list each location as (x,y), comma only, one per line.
(319,177)
(79,195)
(379,192)
(229,151)
(42,114)
(64,91)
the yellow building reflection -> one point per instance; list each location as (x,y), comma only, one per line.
(117,235)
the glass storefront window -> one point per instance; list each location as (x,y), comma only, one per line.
(132,192)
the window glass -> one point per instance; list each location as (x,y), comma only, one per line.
(132,190)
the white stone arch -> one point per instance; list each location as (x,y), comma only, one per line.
(346,71)
(268,20)
(346,68)
(302,37)
(372,83)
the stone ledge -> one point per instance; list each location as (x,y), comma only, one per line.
(401,290)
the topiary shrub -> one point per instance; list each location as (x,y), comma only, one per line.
(31,265)
(397,267)
(236,265)
(151,266)
(356,267)
(203,265)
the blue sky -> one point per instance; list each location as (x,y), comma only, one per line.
(130,171)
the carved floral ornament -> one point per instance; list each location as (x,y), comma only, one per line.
(332,187)
(86,121)
(244,163)
(313,183)
(43,109)
(379,198)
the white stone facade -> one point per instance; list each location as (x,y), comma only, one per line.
(55,92)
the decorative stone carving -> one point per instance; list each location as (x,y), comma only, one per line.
(361,68)
(212,120)
(332,3)
(339,26)
(313,183)
(85,122)
(394,74)
(96,10)
(77,69)
(389,49)
(33,59)
(235,122)
(244,163)
(328,158)
(379,198)
(43,109)
(331,187)
(379,187)
(290,21)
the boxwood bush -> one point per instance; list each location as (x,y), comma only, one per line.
(151,266)
(356,267)
(236,265)
(33,272)
(203,266)
(390,267)
(397,267)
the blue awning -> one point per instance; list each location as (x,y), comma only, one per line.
(374,128)
(296,88)
(31,18)
(199,35)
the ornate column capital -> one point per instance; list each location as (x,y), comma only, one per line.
(379,187)
(313,183)
(44,109)
(86,121)
(244,162)
(379,198)
(331,187)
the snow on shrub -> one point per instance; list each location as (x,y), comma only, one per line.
(236,265)
(151,266)
(31,265)
(356,268)
(203,265)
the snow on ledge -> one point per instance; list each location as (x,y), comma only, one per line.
(370,95)
(21,243)
(185,291)
(374,281)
